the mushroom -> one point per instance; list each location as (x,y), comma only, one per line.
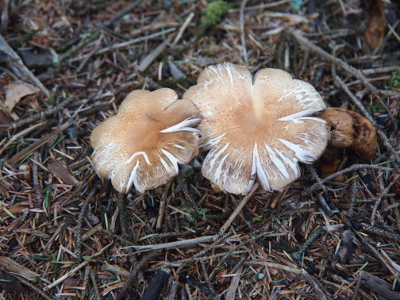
(256,128)
(349,130)
(144,143)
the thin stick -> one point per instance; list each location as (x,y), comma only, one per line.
(182,28)
(33,287)
(353,71)
(19,134)
(243,34)
(81,216)
(273,265)
(316,234)
(262,6)
(153,55)
(123,12)
(132,276)
(238,209)
(20,155)
(86,282)
(18,66)
(361,107)
(4,16)
(173,244)
(40,116)
(95,287)
(186,192)
(122,220)
(163,202)
(76,269)
(349,169)
(127,43)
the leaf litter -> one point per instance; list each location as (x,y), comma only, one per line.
(64,232)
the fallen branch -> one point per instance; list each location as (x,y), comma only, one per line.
(173,244)
(349,169)
(15,63)
(338,62)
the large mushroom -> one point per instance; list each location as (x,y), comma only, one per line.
(143,145)
(256,128)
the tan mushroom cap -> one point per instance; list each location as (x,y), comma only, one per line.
(143,145)
(259,129)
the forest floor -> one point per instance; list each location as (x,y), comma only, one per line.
(65,233)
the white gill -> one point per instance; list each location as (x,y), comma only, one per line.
(132,178)
(173,160)
(130,159)
(302,154)
(184,126)
(262,176)
(305,114)
(212,142)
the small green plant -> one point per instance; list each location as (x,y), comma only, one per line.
(198,214)
(394,80)
(214,12)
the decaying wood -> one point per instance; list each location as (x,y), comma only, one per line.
(16,268)
(378,285)
(16,65)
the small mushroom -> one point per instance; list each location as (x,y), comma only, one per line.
(349,130)
(256,128)
(144,143)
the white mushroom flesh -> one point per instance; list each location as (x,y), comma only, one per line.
(256,130)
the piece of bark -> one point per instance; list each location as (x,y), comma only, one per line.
(156,284)
(15,63)
(230,294)
(18,269)
(378,286)
(37,58)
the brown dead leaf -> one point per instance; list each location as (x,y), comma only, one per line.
(17,90)
(70,283)
(376,23)
(14,209)
(61,171)
(221,278)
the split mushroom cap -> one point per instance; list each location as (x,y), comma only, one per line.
(349,130)
(256,128)
(144,143)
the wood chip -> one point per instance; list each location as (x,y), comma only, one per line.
(60,170)
(18,269)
